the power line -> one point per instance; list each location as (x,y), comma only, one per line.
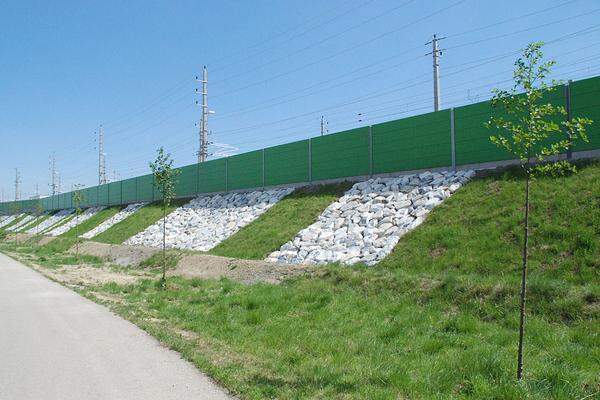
(345,50)
(319,42)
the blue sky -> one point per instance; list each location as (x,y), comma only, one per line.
(274,68)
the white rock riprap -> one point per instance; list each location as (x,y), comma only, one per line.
(9,219)
(366,223)
(50,221)
(206,221)
(76,220)
(118,217)
(24,221)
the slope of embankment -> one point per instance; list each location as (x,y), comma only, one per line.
(438,318)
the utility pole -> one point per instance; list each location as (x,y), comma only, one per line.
(324,126)
(101,158)
(53,175)
(203,145)
(37,191)
(17,185)
(58,185)
(436,52)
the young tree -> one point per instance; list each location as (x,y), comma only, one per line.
(78,199)
(530,133)
(164,181)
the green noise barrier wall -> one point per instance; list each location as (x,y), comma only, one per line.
(447,138)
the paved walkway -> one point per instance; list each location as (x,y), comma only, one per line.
(55,344)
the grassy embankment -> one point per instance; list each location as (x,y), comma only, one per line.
(135,223)
(280,223)
(436,319)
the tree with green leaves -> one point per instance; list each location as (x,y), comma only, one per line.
(530,132)
(78,198)
(164,182)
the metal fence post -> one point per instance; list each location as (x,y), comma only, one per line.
(226,173)
(263,168)
(452,139)
(309,159)
(568,110)
(370,151)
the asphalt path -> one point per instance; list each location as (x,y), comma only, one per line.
(55,344)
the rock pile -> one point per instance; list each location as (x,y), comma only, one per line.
(118,217)
(76,220)
(26,219)
(9,219)
(206,221)
(365,224)
(50,221)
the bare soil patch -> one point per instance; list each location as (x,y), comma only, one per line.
(244,271)
(117,254)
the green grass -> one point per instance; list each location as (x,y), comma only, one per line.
(51,255)
(437,319)
(92,222)
(135,223)
(154,262)
(281,222)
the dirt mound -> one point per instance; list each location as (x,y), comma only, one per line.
(245,271)
(117,254)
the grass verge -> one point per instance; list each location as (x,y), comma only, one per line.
(92,222)
(281,222)
(136,222)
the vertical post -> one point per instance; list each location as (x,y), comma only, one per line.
(370,151)
(436,52)
(568,110)
(452,139)
(263,168)
(203,147)
(101,157)
(226,173)
(310,160)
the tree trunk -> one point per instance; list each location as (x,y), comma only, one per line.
(523,281)
(164,246)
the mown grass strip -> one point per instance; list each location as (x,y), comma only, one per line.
(281,222)
(92,222)
(135,223)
